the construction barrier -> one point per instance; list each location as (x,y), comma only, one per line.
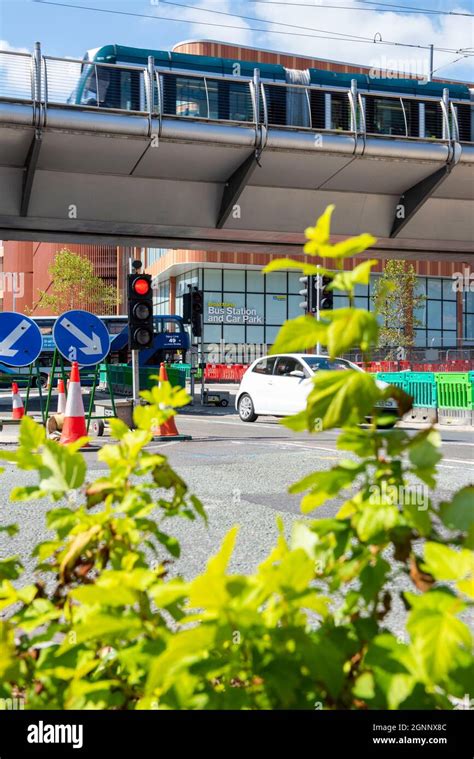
(121,377)
(442,390)
(422,387)
(455,390)
(393,378)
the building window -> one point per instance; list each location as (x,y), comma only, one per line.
(437,316)
(154,254)
(468,326)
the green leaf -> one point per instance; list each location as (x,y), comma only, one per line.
(300,334)
(76,547)
(104,627)
(10,529)
(306,269)
(345,249)
(374,522)
(350,328)
(10,569)
(338,399)
(171,543)
(418,518)
(446,563)
(372,578)
(326,484)
(118,428)
(394,671)
(104,596)
(320,233)
(346,280)
(62,469)
(437,635)
(62,520)
(32,435)
(458,514)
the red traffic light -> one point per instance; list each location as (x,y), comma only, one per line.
(141,286)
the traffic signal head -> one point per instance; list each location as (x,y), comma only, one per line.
(140,311)
(327,296)
(197,308)
(309,304)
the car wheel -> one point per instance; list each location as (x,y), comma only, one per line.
(246,409)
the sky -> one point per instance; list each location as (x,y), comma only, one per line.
(69,31)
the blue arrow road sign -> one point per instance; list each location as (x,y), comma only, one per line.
(81,336)
(21,341)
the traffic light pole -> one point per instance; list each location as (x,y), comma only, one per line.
(318,309)
(135,378)
(192,362)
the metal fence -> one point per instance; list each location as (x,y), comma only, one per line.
(49,81)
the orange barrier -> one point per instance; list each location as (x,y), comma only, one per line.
(18,410)
(167,430)
(74,426)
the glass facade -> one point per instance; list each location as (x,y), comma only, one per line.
(468,316)
(246,306)
(438,314)
(243,306)
(161,298)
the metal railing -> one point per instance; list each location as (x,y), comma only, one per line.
(49,81)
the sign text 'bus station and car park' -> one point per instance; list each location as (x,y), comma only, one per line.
(78,335)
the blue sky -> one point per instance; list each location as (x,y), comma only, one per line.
(70,31)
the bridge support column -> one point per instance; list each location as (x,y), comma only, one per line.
(29,172)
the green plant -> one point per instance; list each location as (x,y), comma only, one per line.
(396,300)
(308,629)
(73,283)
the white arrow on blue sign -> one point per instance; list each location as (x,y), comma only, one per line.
(21,340)
(81,336)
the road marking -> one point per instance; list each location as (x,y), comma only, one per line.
(460,461)
(161,445)
(455,442)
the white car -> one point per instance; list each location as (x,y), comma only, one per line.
(279,385)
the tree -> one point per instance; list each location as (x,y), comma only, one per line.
(397,301)
(74,284)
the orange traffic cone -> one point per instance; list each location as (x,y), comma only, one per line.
(18,410)
(168,429)
(61,397)
(74,425)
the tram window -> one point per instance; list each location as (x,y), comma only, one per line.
(317,101)
(339,111)
(191,97)
(109,88)
(130,90)
(276,104)
(464,122)
(385,116)
(433,120)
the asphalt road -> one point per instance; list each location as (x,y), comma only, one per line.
(242,473)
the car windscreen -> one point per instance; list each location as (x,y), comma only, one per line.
(324,363)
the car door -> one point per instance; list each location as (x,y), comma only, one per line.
(288,393)
(257,384)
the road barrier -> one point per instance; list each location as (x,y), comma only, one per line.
(455,390)
(435,390)
(121,377)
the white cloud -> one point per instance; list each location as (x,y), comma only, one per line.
(442,31)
